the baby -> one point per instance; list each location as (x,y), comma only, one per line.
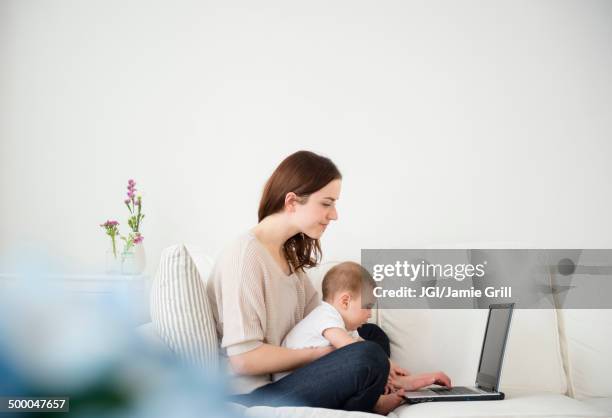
(336,320)
(347,304)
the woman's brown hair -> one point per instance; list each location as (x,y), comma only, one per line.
(302,173)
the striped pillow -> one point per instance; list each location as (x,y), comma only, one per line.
(180,310)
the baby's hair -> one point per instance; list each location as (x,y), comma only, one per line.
(346,276)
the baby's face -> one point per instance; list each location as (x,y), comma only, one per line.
(357,314)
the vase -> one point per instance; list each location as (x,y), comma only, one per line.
(113,262)
(128,265)
(133,260)
(140,258)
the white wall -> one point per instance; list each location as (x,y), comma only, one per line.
(451,121)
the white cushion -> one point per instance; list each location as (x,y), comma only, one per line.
(519,406)
(585,333)
(180,310)
(204,264)
(450,340)
(533,359)
(303,412)
(604,404)
(537,405)
(425,340)
(588,346)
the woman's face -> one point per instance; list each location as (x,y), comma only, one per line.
(312,217)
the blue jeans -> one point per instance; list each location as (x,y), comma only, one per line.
(350,378)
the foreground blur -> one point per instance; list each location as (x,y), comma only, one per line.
(57,343)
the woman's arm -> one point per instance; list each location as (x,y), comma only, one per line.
(269,358)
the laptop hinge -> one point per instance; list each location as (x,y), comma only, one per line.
(487,388)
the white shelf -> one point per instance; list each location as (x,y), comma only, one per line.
(73,276)
(89,287)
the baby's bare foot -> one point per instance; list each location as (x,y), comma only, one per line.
(387,403)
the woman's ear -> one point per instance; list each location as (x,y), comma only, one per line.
(291,199)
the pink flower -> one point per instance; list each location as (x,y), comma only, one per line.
(131,191)
(138,238)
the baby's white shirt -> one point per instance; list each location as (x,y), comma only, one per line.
(309,331)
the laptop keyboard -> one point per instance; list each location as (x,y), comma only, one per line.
(454,391)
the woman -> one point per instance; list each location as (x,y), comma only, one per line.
(260,291)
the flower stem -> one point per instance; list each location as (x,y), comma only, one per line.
(138,219)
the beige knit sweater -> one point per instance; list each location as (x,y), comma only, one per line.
(255,302)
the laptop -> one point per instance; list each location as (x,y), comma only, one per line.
(489,365)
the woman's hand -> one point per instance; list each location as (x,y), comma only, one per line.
(418,381)
(269,358)
(396,371)
(441,379)
(318,352)
(389,388)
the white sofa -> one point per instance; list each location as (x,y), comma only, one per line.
(557,362)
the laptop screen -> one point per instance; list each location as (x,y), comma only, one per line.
(493,346)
